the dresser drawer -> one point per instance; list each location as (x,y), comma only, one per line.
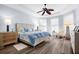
(14,34)
(8,37)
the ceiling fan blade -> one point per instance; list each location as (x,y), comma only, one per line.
(39,11)
(48,12)
(50,9)
(43,13)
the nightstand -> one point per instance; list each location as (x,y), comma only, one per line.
(7,38)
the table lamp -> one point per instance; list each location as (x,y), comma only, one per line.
(7,22)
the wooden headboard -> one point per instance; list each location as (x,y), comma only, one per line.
(22,25)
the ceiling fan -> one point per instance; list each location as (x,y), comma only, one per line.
(45,10)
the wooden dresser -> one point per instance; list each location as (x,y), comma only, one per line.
(7,38)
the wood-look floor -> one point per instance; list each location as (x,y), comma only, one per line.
(52,46)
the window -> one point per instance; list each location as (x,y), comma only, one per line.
(36,24)
(54,25)
(43,25)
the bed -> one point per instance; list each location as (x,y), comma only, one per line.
(27,35)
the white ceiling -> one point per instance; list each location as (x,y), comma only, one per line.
(31,9)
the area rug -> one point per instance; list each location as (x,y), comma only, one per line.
(20,46)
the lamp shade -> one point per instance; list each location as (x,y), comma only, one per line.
(7,20)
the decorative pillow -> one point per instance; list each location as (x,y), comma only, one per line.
(30,30)
(27,30)
(21,30)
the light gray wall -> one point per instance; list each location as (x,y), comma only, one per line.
(16,17)
(76,14)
